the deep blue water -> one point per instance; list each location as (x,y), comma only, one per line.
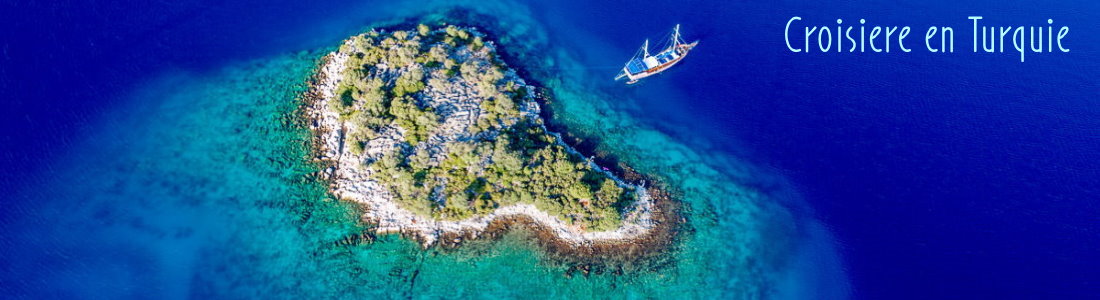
(943,176)
(940,175)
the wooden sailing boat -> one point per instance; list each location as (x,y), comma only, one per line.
(643,65)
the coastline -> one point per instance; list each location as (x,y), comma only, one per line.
(649,223)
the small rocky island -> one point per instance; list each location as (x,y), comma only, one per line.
(438,139)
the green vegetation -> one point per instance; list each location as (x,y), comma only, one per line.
(505,157)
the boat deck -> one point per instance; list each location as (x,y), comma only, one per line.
(635,66)
(638,65)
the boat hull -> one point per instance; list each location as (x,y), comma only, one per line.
(633,78)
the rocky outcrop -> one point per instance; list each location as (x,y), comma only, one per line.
(458,105)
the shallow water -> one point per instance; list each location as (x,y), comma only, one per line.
(203,193)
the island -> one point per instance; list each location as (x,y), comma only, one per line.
(436,138)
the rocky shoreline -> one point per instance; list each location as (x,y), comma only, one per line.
(649,223)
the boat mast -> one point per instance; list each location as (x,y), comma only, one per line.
(645,48)
(676,36)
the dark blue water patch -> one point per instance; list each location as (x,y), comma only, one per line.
(943,175)
(962,176)
(64,62)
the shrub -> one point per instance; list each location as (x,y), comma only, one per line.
(477,43)
(401,35)
(410,82)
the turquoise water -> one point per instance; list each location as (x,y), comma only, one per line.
(196,186)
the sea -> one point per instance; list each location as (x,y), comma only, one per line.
(150,149)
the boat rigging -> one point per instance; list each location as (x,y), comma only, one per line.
(643,64)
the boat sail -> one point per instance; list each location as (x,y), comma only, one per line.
(643,64)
